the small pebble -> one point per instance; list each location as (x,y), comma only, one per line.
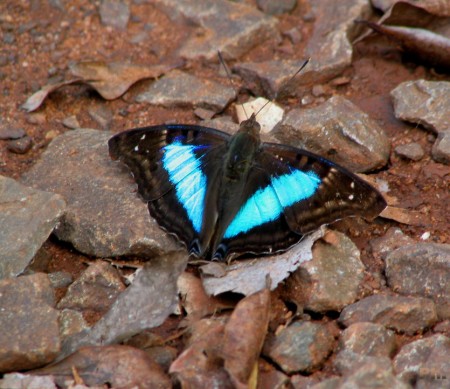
(204,114)
(20,146)
(11,133)
(318,90)
(338,81)
(71,122)
(411,151)
(294,35)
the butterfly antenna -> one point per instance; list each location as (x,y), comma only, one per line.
(284,86)
(228,72)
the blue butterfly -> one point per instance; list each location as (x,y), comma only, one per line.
(226,195)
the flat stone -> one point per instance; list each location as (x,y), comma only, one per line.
(222,123)
(114,13)
(301,347)
(368,339)
(338,130)
(391,240)
(104,216)
(413,151)
(19,381)
(102,115)
(71,122)
(332,280)
(30,335)
(268,113)
(441,148)
(145,304)
(425,362)
(96,289)
(347,361)
(71,322)
(21,145)
(178,88)
(276,7)
(11,132)
(423,102)
(422,269)
(229,27)
(27,217)
(403,314)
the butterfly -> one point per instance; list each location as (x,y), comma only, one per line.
(227,195)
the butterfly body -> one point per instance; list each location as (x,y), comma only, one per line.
(228,195)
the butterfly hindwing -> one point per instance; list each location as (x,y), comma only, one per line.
(171,165)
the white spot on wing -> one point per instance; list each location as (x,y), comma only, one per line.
(351,197)
(143,137)
(136,148)
(352,185)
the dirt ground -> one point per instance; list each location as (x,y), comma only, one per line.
(46,40)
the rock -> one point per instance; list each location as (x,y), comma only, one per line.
(71,322)
(337,130)
(368,339)
(30,335)
(411,151)
(27,217)
(276,7)
(370,375)
(347,361)
(229,27)
(422,269)
(423,102)
(391,240)
(300,347)
(178,88)
(441,148)
(425,362)
(407,315)
(20,381)
(71,122)
(222,123)
(332,280)
(114,13)
(20,146)
(60,279)
(96,289)
(102,115)
(11,133)
(101,198)
(145,304)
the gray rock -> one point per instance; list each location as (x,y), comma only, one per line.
(441,148)
(332,280)
(27,217)
(71,322)
(391,240)
(20,146)
(114,13)
(338,130)
(425,362)
(11,132)
(347,361)
(368,376)
(276,7)
(423,102)
(145,304)
(71,122)
(300,347)
(443,327)
(368,339)
(102,115)
(222,123)
(105,217)
(413,151)
(60,279)
(408,315)
(178,88)
(229,27)
(334,29)
(96,289)
(20,381)
(29,335)
(422,269)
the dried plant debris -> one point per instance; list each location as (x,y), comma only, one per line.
(110,80)
(435,7)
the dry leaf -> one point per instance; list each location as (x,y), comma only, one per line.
(112,80)
(244,336)
(35,100)
(427,46)
(435,7)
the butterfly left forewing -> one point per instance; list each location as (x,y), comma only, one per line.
(172,165)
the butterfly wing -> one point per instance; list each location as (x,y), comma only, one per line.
(172,165)
(291,192)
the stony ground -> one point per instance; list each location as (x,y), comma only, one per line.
(371,307)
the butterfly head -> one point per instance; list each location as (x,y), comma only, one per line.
(251,126)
